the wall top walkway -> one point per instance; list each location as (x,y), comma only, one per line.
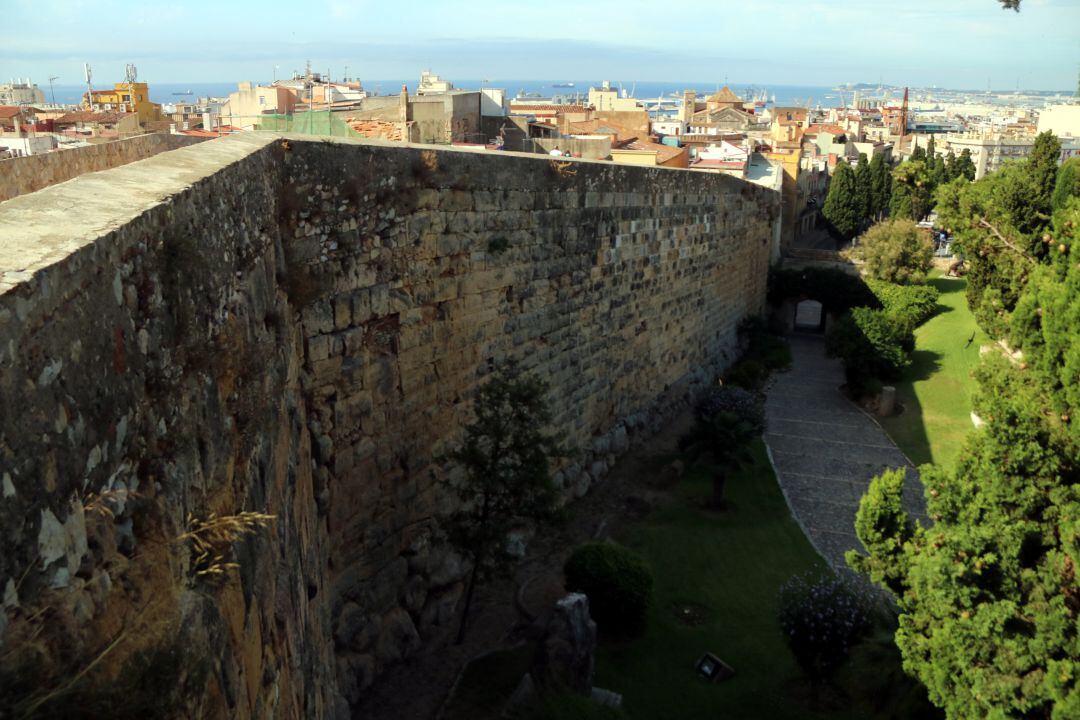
(41,228)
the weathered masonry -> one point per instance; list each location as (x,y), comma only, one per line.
(296,327)
(22,175)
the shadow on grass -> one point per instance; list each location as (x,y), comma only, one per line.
(908,429)
(946,287)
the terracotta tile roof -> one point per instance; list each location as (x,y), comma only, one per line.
(826,127)
(724,95)
(86,116)
(602,127)
(384,129)
(663,152)
(9,111)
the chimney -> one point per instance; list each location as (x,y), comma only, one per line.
(403,104)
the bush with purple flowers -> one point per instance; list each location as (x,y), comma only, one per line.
(822,618)
(735,400)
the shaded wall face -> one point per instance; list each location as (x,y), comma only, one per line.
(301,333)
(425,269)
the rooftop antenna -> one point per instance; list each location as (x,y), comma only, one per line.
(89,88)
(132,75)
(52,91)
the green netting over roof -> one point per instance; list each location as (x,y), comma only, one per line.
(310,123)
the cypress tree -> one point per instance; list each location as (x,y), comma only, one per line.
(950,166)
(1068,183)
(1044,167)
(842,204)
(919,153)
(863,188)
(964,165)
(879,196)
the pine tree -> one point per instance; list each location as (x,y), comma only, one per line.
(913,190)
(964,165)
(988,594)
(504,455)
(863,188)
(842,204)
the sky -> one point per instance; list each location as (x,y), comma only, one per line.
(947,43)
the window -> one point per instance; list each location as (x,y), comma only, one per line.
(262,99)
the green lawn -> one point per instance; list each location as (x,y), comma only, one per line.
(732,565)
(937,387)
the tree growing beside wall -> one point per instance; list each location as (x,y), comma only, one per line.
(507,484)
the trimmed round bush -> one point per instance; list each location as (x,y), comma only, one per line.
(617,582)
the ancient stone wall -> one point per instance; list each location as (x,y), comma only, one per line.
(297,329)
(22,175)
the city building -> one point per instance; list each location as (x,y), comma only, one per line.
(244,107)
(21,92)
(723,114)
(124,97)
(988,149)
(642,151)
(607,99)
(723,157)
(431,83)
(90,124)
(1062,120)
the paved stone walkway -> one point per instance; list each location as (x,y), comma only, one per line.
(826,450)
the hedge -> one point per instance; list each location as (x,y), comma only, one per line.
(909,305)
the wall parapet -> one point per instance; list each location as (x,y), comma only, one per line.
(23,175)
(297,327)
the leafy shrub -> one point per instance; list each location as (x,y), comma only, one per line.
(771,351)
(822,618)
(871,345)
(617,582)
(748,374)
(909,305)
(763,346)
(896,251)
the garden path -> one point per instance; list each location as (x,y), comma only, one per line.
(825,450)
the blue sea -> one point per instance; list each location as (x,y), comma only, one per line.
(785,94)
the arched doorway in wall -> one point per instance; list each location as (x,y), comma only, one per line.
(809,316)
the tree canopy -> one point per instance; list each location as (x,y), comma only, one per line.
(843,207)
(988,594)
(896,251)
